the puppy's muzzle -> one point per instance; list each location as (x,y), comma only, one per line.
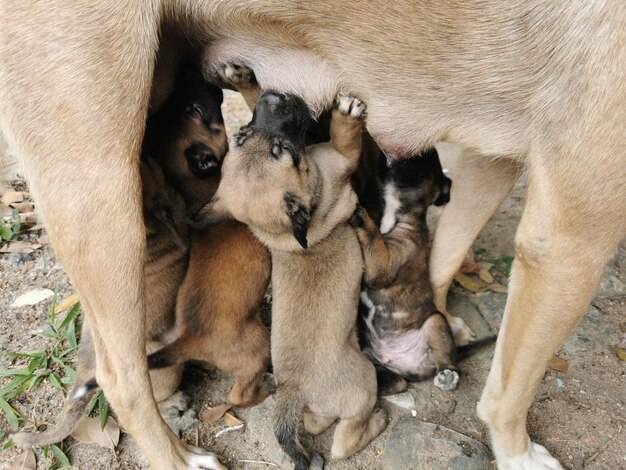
(282,115)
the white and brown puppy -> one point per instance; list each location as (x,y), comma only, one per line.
(405,335)
(297,201)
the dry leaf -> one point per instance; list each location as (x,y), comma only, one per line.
(231,420)
(485,265)
(496,287)
(556,363)
(18,247)
(23,206)
(28,218)
(212,414)
(471,284)
(469,268)
(5,211)
(11,197)
(32,297)
(88,431)
(24,461)
(66,303)
(621,353)
(486,276)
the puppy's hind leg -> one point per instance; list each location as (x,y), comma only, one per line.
(315,423)
(353,434)
(480,186)
(443,349)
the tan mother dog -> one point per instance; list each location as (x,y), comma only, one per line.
(535,85)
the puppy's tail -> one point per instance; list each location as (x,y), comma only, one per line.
(72,413)
(463,352)
(171,354)
(289,405)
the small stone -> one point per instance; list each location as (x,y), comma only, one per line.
(403,400)
(428,446)
(448,407)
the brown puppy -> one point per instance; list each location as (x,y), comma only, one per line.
(217,318)
(166,230)
(317,267)
(537,85)
(404,332)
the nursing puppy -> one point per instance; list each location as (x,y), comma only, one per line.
(297,200)
(405,334)
(166,235)
(217,318)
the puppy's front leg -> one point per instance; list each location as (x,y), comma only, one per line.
(382,255)
(346,127)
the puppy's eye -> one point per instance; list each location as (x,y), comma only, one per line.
(194,109)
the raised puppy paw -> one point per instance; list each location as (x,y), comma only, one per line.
(447,380)
(236,75)
(200,459)
(350,106)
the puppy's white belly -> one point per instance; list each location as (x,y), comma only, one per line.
(405,352)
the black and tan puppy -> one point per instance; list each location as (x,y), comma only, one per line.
(166,235)
(217,318)
(297,201)
(405,334)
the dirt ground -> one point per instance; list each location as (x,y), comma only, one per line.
(578,415)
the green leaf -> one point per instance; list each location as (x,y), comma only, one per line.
(16,228)
(16,372)
(11,414)
(69,318)
(8,444)
(15,215)
(15,383)
(480,251)
(34,382)
(71,335)
(92,403)
(54,381)
(60,455)
(31,355)
(103,410)
(6,233)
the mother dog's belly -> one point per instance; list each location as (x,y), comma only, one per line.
(399,119)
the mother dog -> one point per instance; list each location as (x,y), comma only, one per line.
(521,84)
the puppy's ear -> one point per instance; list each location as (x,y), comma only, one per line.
(300,218)
(211,214)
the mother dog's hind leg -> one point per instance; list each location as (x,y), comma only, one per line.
(479,186)
(572,222)
(74,97)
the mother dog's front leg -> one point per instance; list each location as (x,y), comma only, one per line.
(75,108)
(568,231)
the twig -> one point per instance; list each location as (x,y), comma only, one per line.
(603,448)
(259,462)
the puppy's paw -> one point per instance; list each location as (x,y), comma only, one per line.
(174,405)
(462,333)
(356,219)
(447,380)
(350,106)
(378,421)
(236,75)
(200,459)
(317,461)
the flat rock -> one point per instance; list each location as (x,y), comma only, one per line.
(416,445)
(404,400)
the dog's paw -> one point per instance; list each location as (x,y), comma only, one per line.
(350,106)
(447,380)
(462,333)
(236,75)
(200,459)
(536,457)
